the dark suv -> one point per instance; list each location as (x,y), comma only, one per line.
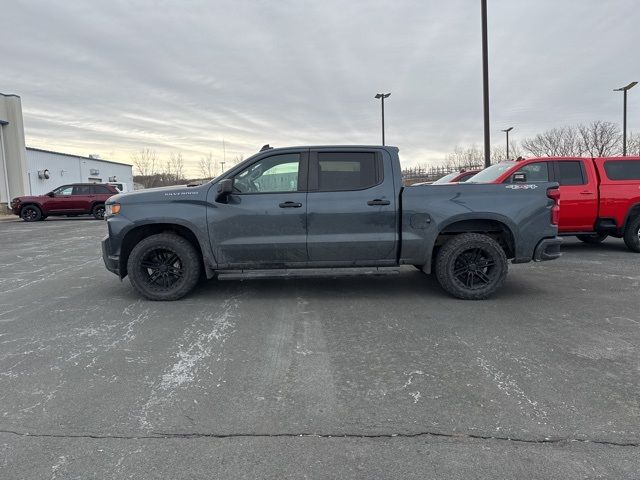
(71,200)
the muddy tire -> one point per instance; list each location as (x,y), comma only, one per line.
(164,267)
(471,266)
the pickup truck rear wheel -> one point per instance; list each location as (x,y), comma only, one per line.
(593,239)
(164,267)
(471,266)
(632,235)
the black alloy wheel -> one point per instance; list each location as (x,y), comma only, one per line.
(475,268)
(165,266)
(471,266)
(30,213)
(98,212)
(161,268)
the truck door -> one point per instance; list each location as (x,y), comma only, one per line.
(578,195)
(263,222)
(351,207)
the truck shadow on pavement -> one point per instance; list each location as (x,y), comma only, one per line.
(610,245)
(408,285)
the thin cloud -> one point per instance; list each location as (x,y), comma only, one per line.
(114,77)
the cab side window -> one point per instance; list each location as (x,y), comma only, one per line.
(535,172)
(570,173)
(278,173)
(348,171)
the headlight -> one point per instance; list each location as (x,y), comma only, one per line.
(111,209)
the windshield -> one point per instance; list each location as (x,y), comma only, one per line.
(490,174)
(446,178)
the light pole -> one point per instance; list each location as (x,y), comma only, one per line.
(507,132)
(382,96)
(485,86)
(624,118)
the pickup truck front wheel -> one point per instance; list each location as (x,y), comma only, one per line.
(471,266)
(164,267)
(632,235)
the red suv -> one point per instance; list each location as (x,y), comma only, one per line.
(75,199)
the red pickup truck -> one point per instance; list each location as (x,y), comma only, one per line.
(598,196)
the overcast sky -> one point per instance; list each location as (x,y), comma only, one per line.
(113,77)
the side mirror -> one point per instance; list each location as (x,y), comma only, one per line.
(51,194)
(225,186)
(519,177)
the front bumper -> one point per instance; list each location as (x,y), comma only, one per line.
(112,262)
(548,249)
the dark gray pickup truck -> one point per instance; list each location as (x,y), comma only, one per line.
(316,207)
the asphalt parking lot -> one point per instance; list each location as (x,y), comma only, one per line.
(374,376)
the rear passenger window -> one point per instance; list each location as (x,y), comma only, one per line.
(348,171)
(570,173)
(82,190)
(536,172)
(100,190)
(622,169)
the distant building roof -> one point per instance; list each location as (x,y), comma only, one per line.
(77,156)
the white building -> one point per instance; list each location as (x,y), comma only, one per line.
(47,170)
(32,171)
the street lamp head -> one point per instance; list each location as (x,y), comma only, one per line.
(508,130)
(382,95)
(624,89)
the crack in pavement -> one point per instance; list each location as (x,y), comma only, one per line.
(190,435)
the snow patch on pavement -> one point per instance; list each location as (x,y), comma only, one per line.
(190,357)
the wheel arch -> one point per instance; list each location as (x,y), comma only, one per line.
(31,204)
(633,211)
(495,228)
(140,232)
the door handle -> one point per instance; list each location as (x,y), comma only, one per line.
(290,205)
(377,201)
(586,192)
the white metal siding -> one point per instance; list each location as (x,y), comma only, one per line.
(65,169)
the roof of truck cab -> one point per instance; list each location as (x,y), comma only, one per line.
(297,147)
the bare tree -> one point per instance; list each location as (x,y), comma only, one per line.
(175,168)
(146,163)
(633,144)
(557,142)
(499,153)
(600,139)
(208,166)
(468,158)
(237,159)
